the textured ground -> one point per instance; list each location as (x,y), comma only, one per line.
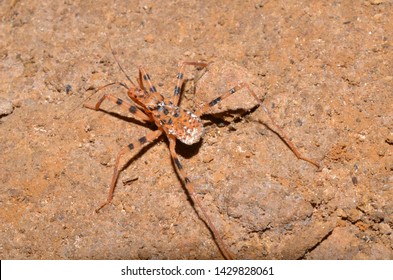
(324,68)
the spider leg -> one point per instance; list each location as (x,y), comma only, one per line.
(190,189)
(273,125)
(151,136)
(140,81)
(143,74)
(226,94)
(278,130)
(180,78)
(124,104)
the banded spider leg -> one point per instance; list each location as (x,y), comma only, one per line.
(150,137)
(176,124)
(272,125)
(172,144)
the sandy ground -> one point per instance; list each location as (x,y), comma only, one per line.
(323,67)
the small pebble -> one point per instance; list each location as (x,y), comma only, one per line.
(207,158)
(6,107)
(149,38)
(376,2)
(385,228)
(389,139)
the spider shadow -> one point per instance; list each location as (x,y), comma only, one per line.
(140,153)
(129,119)
(188,151)
(184,150)
(132,120)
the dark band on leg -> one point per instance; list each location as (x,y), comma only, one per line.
(215,101)
(142,140)
(178,164)
(177,90)
(132,109)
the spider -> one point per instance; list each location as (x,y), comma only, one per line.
(176,124)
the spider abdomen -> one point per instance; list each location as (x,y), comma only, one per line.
(181,123)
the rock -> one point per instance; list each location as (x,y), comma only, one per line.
(6,107)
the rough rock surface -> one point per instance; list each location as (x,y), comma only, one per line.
(324,69)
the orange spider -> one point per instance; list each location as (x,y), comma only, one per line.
(176,123)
